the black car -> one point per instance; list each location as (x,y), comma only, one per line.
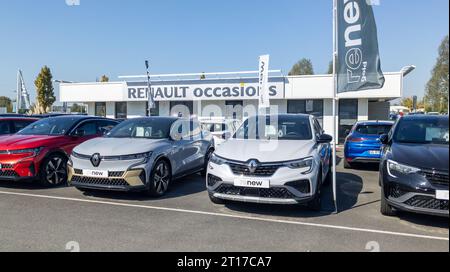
(414,166)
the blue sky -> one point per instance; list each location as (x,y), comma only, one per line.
(114,37)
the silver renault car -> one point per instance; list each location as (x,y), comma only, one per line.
(143,154)
(277,159)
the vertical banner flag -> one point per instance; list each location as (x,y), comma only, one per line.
(359,65)
(264,98)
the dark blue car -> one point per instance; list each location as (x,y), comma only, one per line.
(363,145)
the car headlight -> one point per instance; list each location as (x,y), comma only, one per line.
(134,157)
(32,151)
(217,160)
(306,164)
(395,167)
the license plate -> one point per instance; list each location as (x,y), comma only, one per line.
(95,173)
(442,195)
(252,183)
(375,152)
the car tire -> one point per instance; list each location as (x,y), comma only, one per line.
(386,209)
(205,166)
(316,203)
(216,200)
(53,171)
(160,179)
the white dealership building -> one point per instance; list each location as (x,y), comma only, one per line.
(235,95)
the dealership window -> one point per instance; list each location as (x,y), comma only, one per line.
(234,109)
(154,111)
(182,109)
(121,110)
(100,109)
(312,107)
(348,116)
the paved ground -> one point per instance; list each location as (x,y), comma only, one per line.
(37,219)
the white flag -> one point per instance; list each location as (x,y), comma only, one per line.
(264,98)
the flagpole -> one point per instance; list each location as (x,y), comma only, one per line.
(150,92)
(334,154)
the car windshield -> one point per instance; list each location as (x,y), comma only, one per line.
(142,128)
(50,127)
(373,129)
(423,131)
(275,128)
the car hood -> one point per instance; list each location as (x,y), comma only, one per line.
(118,146)
(15,142)
(265,151)
(428,156)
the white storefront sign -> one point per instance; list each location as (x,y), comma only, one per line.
(203,91)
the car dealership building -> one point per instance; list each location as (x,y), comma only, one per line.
(235,95)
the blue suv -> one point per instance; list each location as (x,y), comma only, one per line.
(362,144)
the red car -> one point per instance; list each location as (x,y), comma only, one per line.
(41,150)
(12,125)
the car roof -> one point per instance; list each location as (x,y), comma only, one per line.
(369,123)
(169,119)
(425,117)
(2,118)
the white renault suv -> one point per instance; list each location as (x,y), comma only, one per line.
(274,159)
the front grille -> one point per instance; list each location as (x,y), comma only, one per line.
(261,171)
(99,181)
(7,166)
(280,193)
(213,180)
(8,174)
(437,178)
(116,174)
(428,202)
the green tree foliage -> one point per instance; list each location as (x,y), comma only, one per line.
(104,78)
(436,93)
(330,68)
(303,67)
(5,102)
(44,88)
(407,102)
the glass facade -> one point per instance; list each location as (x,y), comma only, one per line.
(234,109)
(348,116)
(312,107)
(181,108)
(121,110)
(154,111)
(100,109)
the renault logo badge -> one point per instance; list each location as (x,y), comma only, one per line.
(253,166)
(96,159)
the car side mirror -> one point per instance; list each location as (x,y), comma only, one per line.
(226,135)
(176,137)
(79,133)
(384,139)
(105,131)
(325,138)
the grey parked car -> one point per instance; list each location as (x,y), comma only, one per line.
(143,154)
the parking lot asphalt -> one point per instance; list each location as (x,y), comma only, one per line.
(33,218)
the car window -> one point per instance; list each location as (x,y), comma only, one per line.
(373,129)
(317,128)
(5,128)
(89,128)
(142,128)
(105,125)
(276,128)
(422,131)
(19,125)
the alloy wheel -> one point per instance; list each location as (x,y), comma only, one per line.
(161,178)
(56,171)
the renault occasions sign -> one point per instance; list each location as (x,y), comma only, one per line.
(201,90)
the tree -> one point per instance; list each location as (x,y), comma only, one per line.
(44,88)
(436,93)
(303,67)
(330,68)
(5,102)
(407,102)
(104,78)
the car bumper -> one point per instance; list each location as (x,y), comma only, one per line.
(287,186)
(363,153)
(419,196)
(125,181)
(18,170)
